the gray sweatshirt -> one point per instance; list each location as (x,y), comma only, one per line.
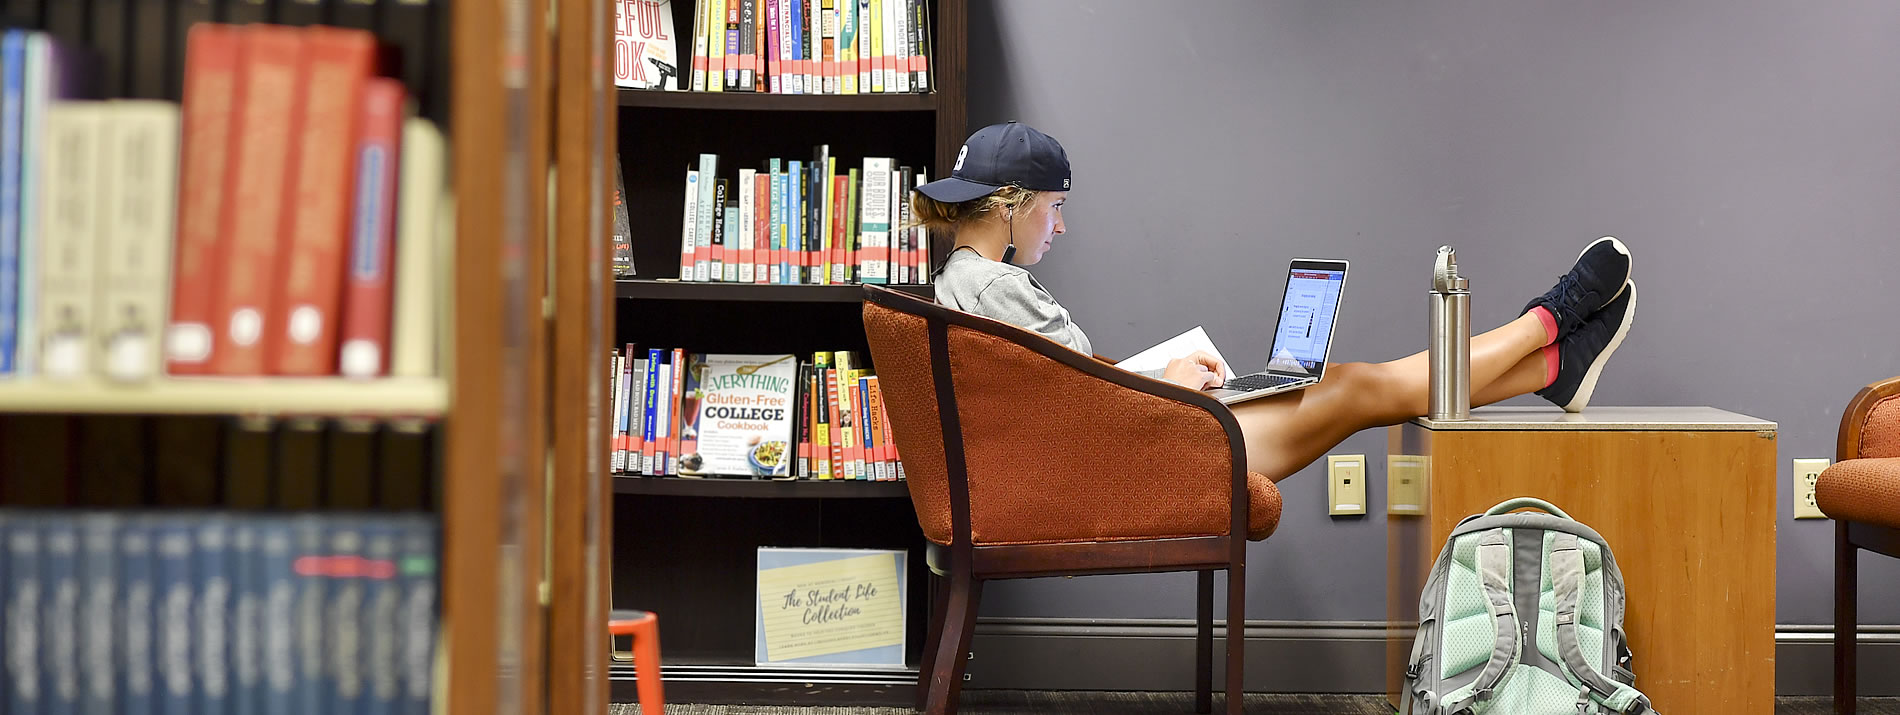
(999,291)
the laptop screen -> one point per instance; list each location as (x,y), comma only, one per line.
(1306,320)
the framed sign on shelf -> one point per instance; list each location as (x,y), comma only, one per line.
(831,607)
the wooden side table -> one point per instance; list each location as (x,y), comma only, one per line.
(1685,496)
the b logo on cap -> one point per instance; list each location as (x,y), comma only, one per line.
(965,151)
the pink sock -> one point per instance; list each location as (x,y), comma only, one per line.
(1550,363)
(1550,324)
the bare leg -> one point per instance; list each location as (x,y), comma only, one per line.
(1286,432)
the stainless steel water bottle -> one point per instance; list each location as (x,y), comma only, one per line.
(1451,340)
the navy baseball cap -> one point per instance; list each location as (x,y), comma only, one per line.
(1000,155)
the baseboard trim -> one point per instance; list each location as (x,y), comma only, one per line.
(1308,656)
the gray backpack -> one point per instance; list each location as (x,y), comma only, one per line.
(1522,615)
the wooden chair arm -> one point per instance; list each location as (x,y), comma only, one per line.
(1854,420)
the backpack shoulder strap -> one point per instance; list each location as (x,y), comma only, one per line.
(1566,576)
(1494,558)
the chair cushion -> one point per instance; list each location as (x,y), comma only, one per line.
(1880,435)
(1862,490)
(1263,507)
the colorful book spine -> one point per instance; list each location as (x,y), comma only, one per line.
(12,112)
(363,333)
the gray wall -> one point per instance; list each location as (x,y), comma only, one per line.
(1748,151)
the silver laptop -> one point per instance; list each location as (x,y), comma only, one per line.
(1303,337)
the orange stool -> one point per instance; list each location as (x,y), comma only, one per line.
(645,629)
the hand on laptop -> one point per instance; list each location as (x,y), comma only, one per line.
(1197,371)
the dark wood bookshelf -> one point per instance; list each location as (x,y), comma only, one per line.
(687,548)
(757,102)
(759,488)
(677,290)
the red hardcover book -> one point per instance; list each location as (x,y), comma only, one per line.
(372,240)
(265,128)
(874,421)
(211,67)
(315,223)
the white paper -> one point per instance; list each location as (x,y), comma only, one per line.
(1157,357)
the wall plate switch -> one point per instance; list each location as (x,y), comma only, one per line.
(1806,471)
(1405,476)
(1346,485)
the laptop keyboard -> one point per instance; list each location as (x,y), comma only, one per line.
(1259,381)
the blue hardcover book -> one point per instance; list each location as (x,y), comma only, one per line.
(247,621)
(99,606)
(278,621)
(344,617)
(59,615)
(12,99)
(797,51)
(868,439)
(136,659)
(382,599)
(212,569)
(23,614)
(174,625)
(652,466)
(417,573)
(308,560)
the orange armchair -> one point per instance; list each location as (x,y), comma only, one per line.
(1861,493)
(1028,459)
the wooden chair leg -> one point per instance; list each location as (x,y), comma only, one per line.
(939,597)
(1236,636)
(1846,621)
(959,623)
(1204,644)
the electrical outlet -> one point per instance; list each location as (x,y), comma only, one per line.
(1806,471)
(1405,476)
(1346,487)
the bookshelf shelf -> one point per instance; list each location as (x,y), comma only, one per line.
(759,488)
(407,397)
(756,102)
(720,681)
(676,290)
(685,548)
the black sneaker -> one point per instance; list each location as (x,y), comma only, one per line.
(1596,279)
(1580,357)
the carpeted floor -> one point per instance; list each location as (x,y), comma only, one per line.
(1009,702)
